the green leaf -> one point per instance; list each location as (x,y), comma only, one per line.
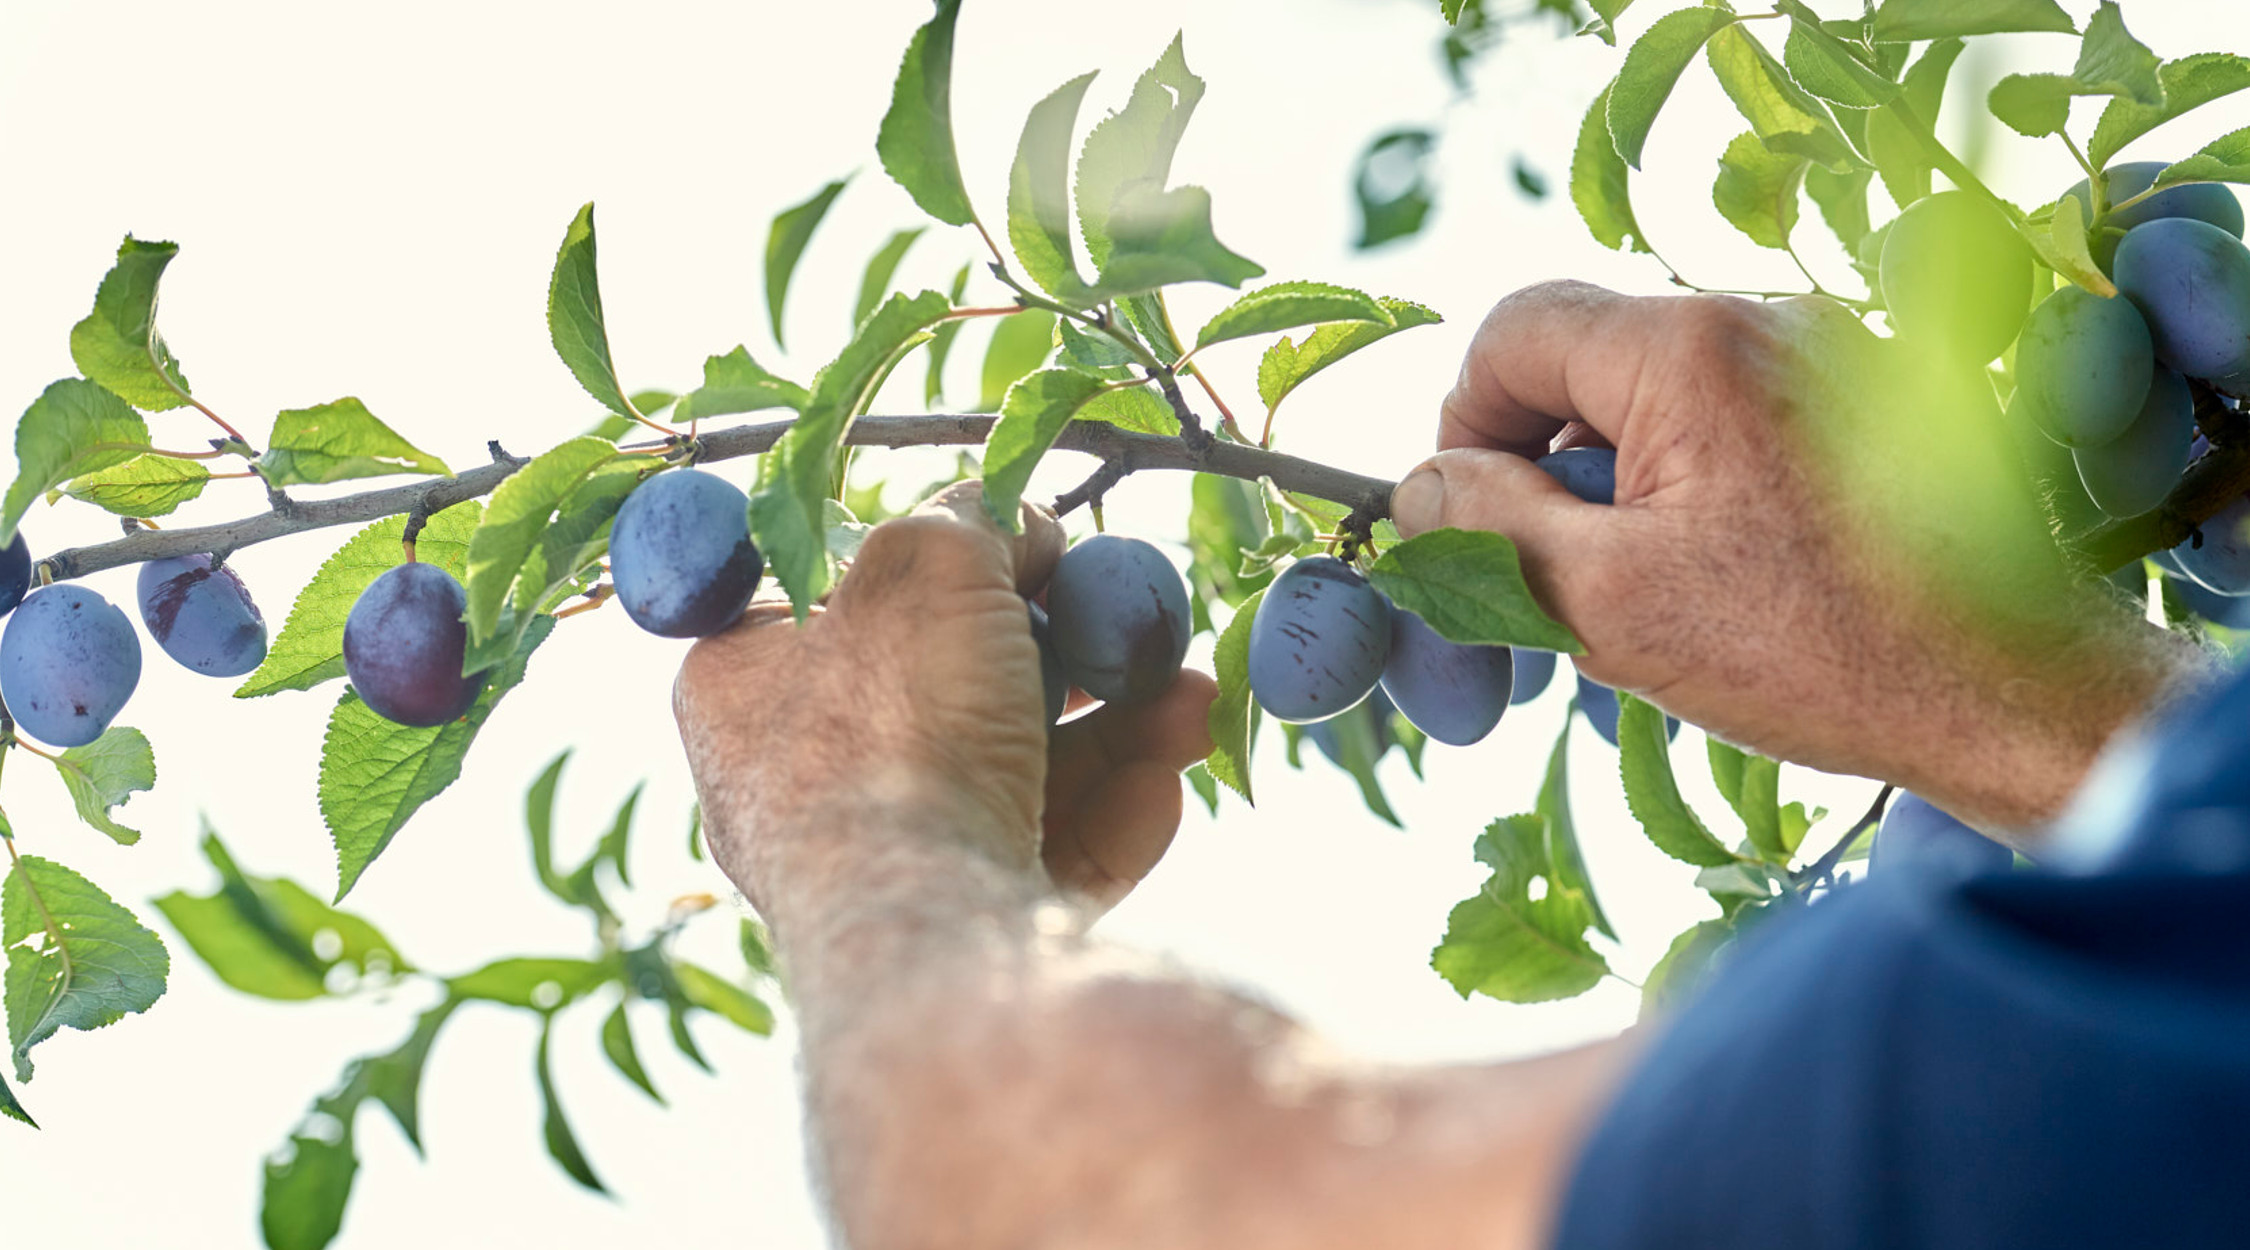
(117,345)
(1898,155)
(562,1144)
(1033,415)
(1842,200)
(652,976)
(2225,159)
(1907,21)
(2188,83)
(106,772)
(1160,238)
(1200,781)
(335,441)
(2112,62)
(757,948)
(75,958)
(270,937)
(611,849)
(1507,945)
(539,819)
(1391,186)
(395,1079)
(1469,587)
(516,517)
(12,1109)
(617,1044)
(1234,718)
(574,315)
(1227,518)
(145,486)
(1286,365)
(881,267)
(1287,305)
(2034,104)
(1360,747)
(534,983)
(1645,761)
(1020,343)
(1135,408)
(1779,111)
(1757,190)
(1796,822)
(74,428)
(723,998)
(1039,192)
(797,474)
(916,138)
(1728,763)
(1828,67)
(1677,976)
(1133,147)
(1599,182)
(941,343)
(1562,831)
(310,648)
(374,775)
(309,1181)
(560,565)
(792,229)
(1759,805)
(1652,66)
(2063,247)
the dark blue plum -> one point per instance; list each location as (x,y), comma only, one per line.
(1534,669)
(15,573)
(1054,684)
(68,662)
(1587,472)
(1454,692)
(1599,703)
(1328,735)
(680,554)
(404,643)
(2204,201)
(1118,615)
(1918,835)
(2083,366)
(2135,471)
(2191,280)
(202,617)
(1319,641)
(1956,277)
(2221,560)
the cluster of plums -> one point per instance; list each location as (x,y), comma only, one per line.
(69,659)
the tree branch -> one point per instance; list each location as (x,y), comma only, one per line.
(1130,452)
(2210,484)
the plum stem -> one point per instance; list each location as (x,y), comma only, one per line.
(2209,485)
(1825,867)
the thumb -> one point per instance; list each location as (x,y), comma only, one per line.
(1562,539)
(949,543)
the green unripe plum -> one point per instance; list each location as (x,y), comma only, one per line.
(1956,276)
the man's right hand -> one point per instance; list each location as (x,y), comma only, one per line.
(1819,549)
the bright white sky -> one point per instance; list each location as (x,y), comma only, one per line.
(368,203)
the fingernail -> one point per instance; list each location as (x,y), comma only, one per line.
(1418,503)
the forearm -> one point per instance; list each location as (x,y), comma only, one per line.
(980,1074)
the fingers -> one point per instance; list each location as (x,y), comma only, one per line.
(1113,787)
(1127,822)
(948,545)
(1546,355)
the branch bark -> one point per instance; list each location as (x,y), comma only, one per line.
(1130,452)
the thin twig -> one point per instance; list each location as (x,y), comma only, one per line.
(1824,867)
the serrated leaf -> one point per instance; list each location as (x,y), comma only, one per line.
(574,315)
(1599,182)
(74,428)
(1779,111)
(735,383)
(1468,585)
(117,345)
(2225,159)
(1033,415)
(1286,365)
(1651,67)
(915,141)
(1233,718)
(560,565)
(147,485)
(1842,200)
(1134,146)
(1828,67)
(1020,343)
(1132,408)
(1503,943)
(875,283)
(1162,238)
(796,475)
(562,1144)
(1039,192)
(1645,763)
(623,1055)
(2034,104)
(1199,780)
(310,648)
(12,1109)
(1680,972)
(336,441)
(1906,21)
(1727,765)
(2188,84)
(1901,159)
(723,998)
(270,937)
(1562,830)
(1360,744)
(2062,246)
(374,775)
(1757,190)
(1287,305)
(1391,186)
(106,772)
(785,243)
(1759,805)
(2111,61)
(516,517)
(75,958)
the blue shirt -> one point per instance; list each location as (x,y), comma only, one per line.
(2026,1059)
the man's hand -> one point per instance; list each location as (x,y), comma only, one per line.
(905,715)
(1820,548)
